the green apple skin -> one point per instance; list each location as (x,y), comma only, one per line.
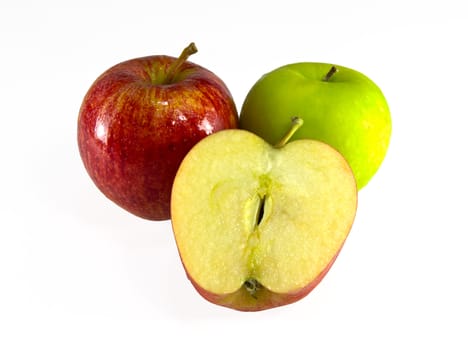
(348,111)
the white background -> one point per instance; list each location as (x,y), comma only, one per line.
(77,272)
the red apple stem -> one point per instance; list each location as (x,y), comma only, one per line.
(296,123)
(330,73)
(174,68)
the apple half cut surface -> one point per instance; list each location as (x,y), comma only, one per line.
(258,226)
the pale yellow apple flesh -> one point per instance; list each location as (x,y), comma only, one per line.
(258,226)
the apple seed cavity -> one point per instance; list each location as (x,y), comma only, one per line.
(261,210)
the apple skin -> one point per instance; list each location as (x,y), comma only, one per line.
(265,299)
(348,111)
(134,129)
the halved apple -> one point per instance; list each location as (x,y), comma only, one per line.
(258,226)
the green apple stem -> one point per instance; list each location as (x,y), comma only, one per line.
(296,123)
(330,73)
(174,68)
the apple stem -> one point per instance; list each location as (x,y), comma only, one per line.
(296,123)
(330,73)
(174,68)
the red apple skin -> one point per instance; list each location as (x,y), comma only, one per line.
(133,130)
(241,300)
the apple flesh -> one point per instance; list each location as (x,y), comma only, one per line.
(340,106)
(259,226)
(140,118)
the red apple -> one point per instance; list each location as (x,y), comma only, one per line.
(140,118)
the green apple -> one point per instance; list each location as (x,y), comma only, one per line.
(340,106)
(258,226)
